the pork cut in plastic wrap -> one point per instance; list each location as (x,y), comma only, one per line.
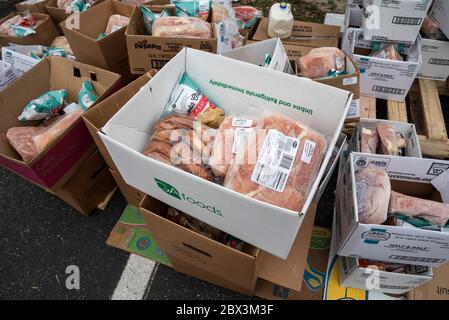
(369,140)
(62,43)
(230,137)
(116,22)
(21,139)
(6,27)
(389,52)
(432,211)
(279,163)
(320,61)
(44,138)
(388,141)
(373,193)
(178,142)
(186,27)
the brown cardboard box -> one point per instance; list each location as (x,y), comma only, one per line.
(304,33)
(97,116)
(108,53)
(57,14)
(199,256)
(61,158)
(45,32)
(208,260)
(132,195)
(147,52)
(91,187)
(436,289)
(38,7)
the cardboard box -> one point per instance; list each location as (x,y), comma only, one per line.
(313,278)
(7,74)
(304,33)
(411,176)
(440,13)
(255,53)
(147,52)
(132,195)
(108,53)
(97,116)
(196,255)
(126,134)
(36,6)
(17,55)
(52,167)
(435,60)
(90,187)
(407,130)
(395,21)
(382,78)
(45,32)
(58,14)
(436,289)
(352,275)
(130,234)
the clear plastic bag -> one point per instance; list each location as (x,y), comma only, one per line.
(186,27)
(320,62)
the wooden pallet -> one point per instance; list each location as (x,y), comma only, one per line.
(423,108)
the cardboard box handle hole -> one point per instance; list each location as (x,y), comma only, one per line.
(197,250)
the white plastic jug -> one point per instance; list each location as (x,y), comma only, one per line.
(280,20)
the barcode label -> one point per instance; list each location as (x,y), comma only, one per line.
(407,21)
(441,62)
(416,259)
(158,64)
(242,122)
(240,138)
(387,286)
(388,90)
(275,161)
(307,152)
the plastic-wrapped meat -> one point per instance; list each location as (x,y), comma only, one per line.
(62,43)
(52,132)
(373,193)
(369,140)
(429,26)
(389,53)
(178,141)
(432,211)
(246,14)
(230,136)
(186,27)
(116,22)
(279,162)
(388,139)
(319,61)
(6,27)
(21,139)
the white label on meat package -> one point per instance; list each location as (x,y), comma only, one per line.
(349,81)
(275,161)
(307,152)
(359,190)
(240,137)
(242,122)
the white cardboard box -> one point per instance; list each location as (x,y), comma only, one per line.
(407,130)
(440,13)
(335,19)
(383,242)
(397,21)
(435,59)
(17,55)
(352,275)
(7,74)
(382,78)
(239,88)
(255,54)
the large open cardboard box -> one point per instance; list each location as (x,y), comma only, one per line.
(109,52)
(58,14)
(149,52)
(45,32)
(268,227)
(60,159)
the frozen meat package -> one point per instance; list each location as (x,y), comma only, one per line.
(279,164)
(187,27)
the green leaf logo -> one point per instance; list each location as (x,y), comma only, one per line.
(167,188)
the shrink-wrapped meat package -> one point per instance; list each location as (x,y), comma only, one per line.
(279,164)
(187,27)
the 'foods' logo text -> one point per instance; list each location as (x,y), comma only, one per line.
(169,189)
(145,45)
(374,236)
